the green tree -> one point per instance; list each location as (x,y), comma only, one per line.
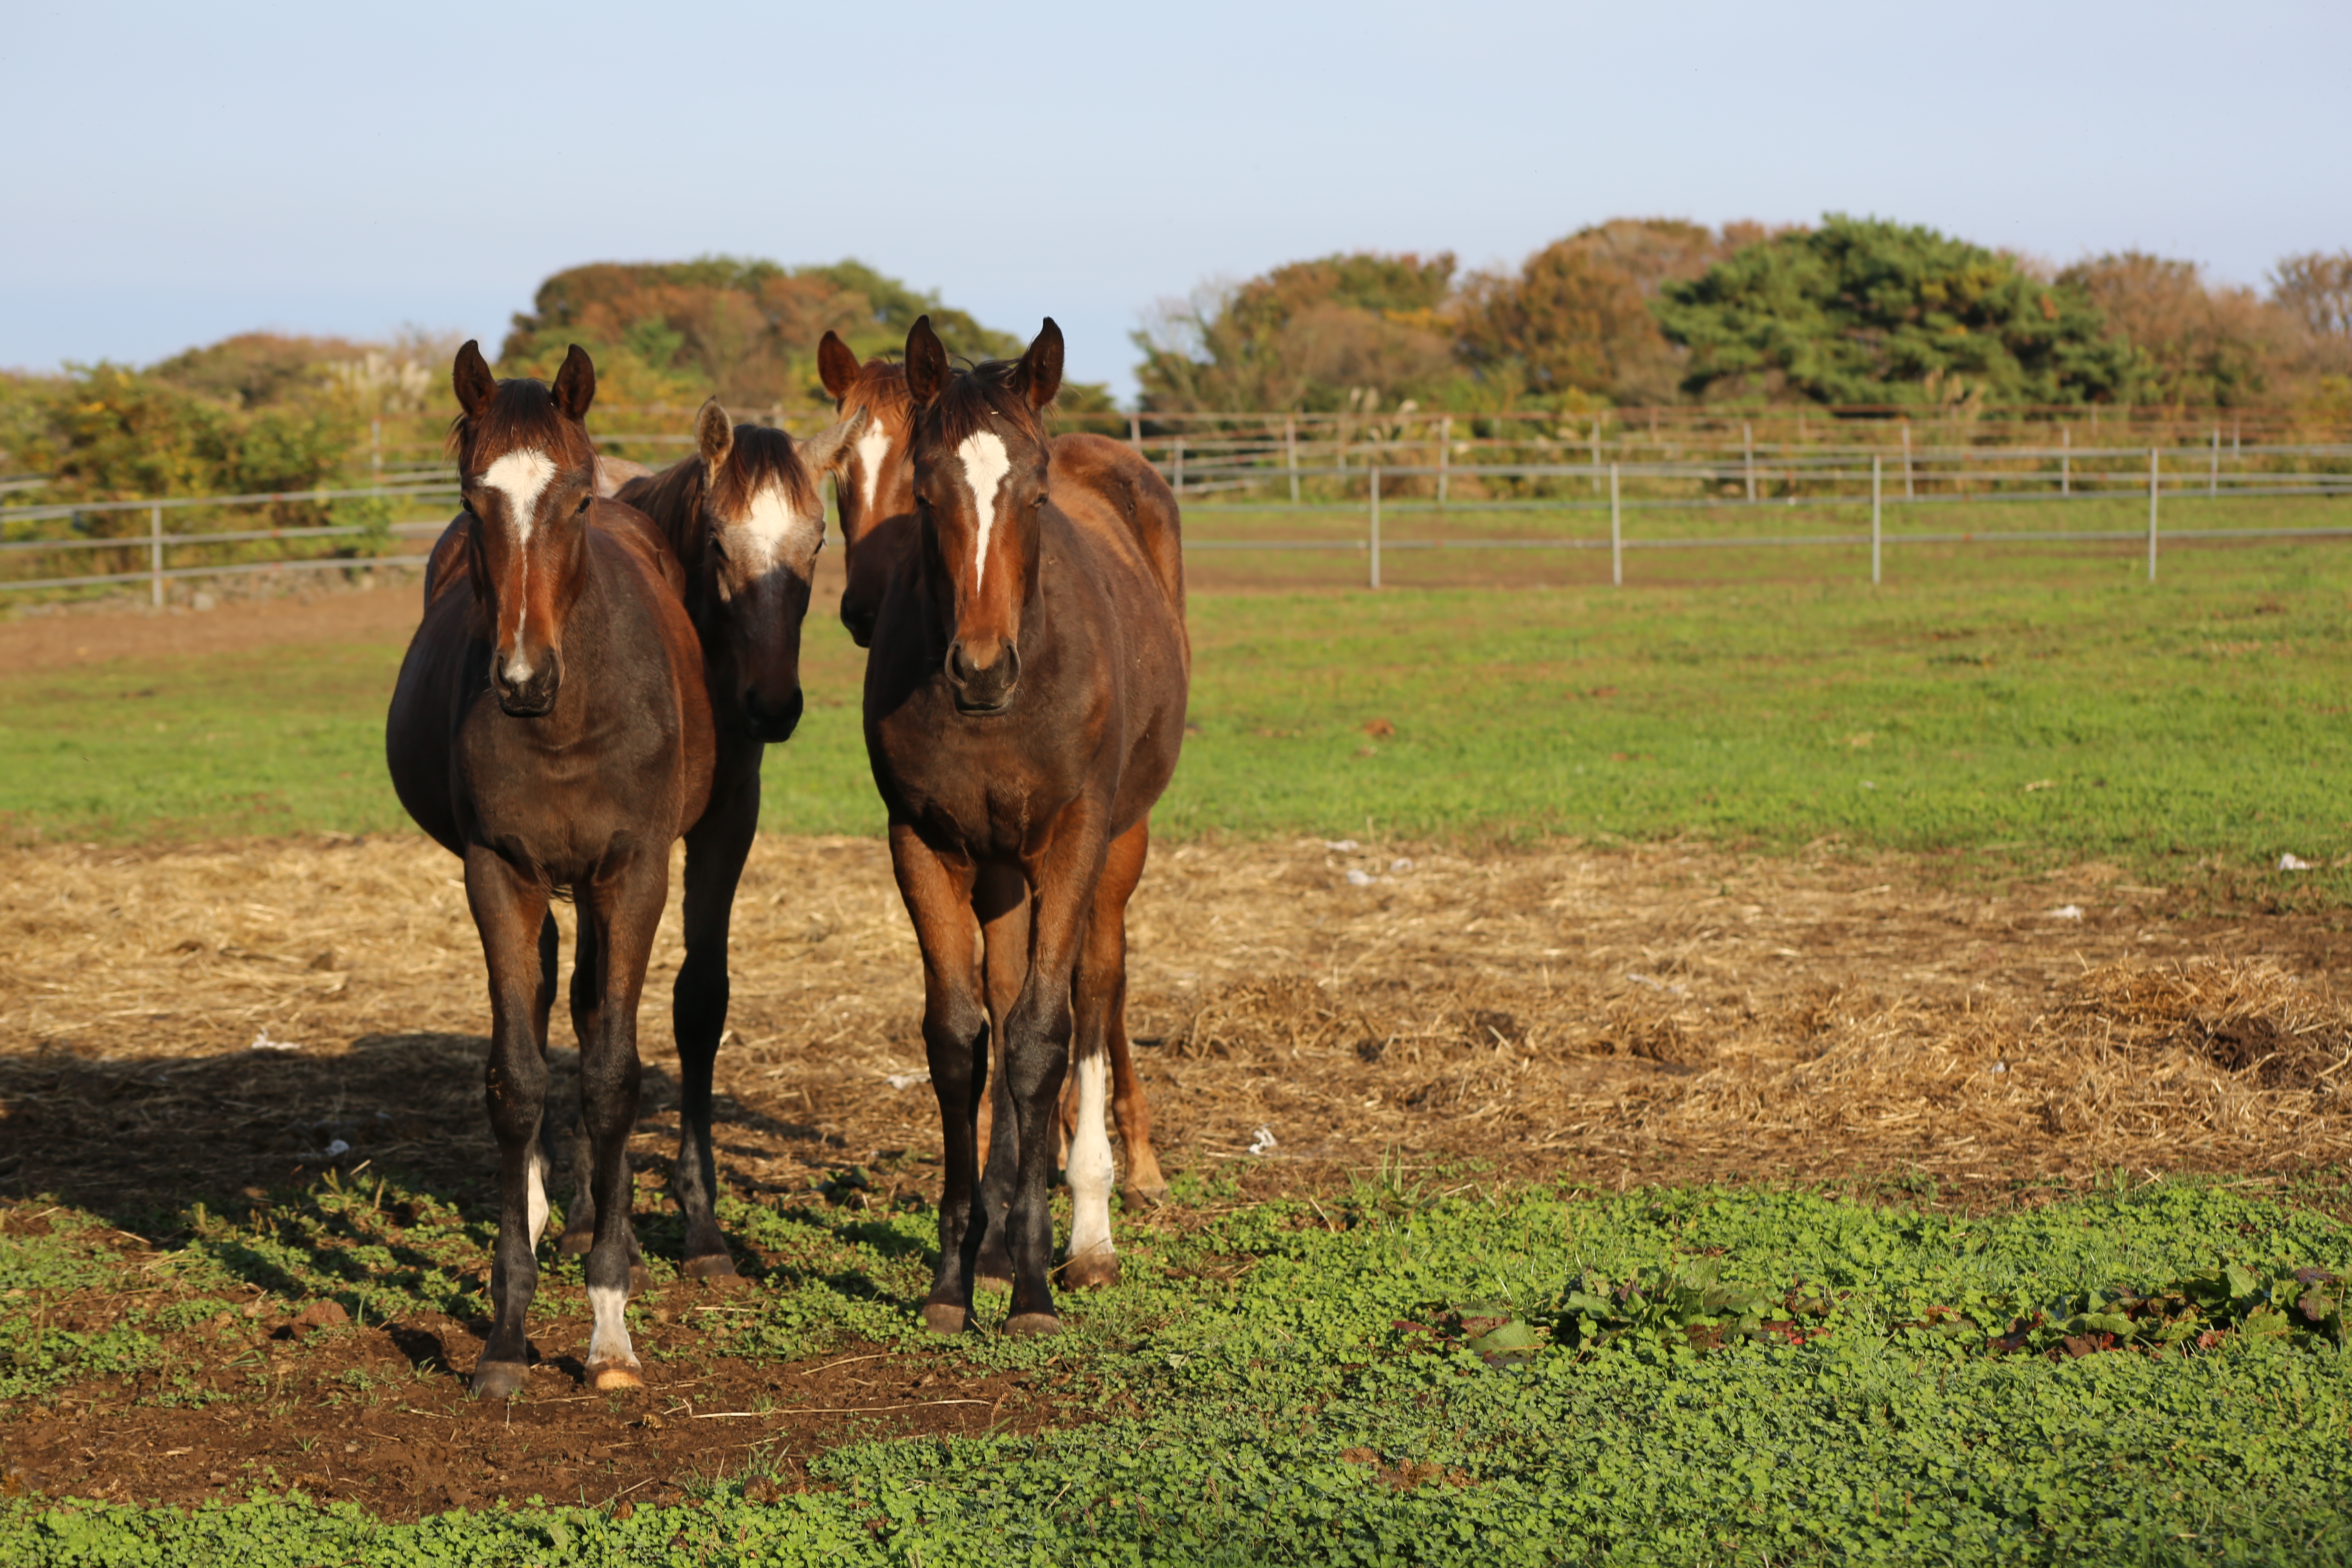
(1864,311)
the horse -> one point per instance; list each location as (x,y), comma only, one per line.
(877,496)
(551,727)
(1024,708)
(745,518)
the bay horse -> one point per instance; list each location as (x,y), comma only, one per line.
(745,518)
(551,727)
(1024,707)
(878,528)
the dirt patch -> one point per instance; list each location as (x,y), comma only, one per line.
(218,1024)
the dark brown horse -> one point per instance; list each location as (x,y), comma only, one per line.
(745,518)
(551,728)
(879,530)
(1025,704)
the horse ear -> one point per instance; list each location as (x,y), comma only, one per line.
(836,366)
(471,380)
(714,434)
(927,363)
(575,384)
(1041,367)
(824,451)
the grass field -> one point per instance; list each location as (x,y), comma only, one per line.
(1305,1363)
(2149,1374)
(2018,706)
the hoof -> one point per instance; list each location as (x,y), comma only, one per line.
(496,1379)
(716,1267)
(607,1375)
(1138,1200)
(1030,1324)
(639,1280)
(942,1318)
(575,1243)
(1097,1270)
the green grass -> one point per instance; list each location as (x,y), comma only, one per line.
(2036,708)
(1283,1385)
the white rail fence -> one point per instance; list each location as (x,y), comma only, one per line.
(1380,488)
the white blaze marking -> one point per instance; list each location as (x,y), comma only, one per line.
(521,478)
(872,447)
(609,1340)
(985,464)
(773,531)
(1089,1168)
(535,1195)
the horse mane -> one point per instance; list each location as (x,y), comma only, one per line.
(970,396)
(765,456)
(881,387)
(674,497)
(522,412)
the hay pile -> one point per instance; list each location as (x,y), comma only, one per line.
(1624,1014)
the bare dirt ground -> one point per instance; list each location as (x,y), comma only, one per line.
(1610,1017)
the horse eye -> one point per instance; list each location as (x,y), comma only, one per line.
(582,506)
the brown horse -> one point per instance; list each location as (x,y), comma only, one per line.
(1024,705)
(745,518)
(551,727)
(879,530)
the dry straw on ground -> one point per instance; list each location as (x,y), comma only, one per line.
(1617,1014)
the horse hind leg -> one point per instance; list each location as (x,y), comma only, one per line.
(579,1212)
(627,908)
(1097,1036)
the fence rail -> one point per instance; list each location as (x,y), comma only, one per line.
(1758,479)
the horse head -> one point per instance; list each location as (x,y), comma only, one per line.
(527,474)
(762,524)
(877,479)
(980,459)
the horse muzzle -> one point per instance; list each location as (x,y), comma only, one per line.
(526,689)
(984,674)
(772,724)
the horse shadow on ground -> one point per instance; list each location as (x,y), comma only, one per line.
(160,1146)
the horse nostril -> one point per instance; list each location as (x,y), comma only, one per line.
(959,668)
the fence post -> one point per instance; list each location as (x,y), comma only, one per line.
(1748,450)
(2213,474)
(1875,462)
(1135,431)
(155,552)
(1290,450)
(2151,514)
(1906,459)
(1339,441)
(1444,452)
(1616,535)
(1376,526)
(1179,485)
(1596,454)
(2065,460)
(376,456)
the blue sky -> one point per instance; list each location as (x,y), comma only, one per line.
(179,172)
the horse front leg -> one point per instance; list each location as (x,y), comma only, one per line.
(1000,898)
(715,852)
(1037,1052)
(937,894)
(624,902)
(509,910)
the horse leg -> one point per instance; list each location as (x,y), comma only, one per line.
(715,852)
(1037,1055)
(1099,1002)
(549,951)
(937,894)
(580,1214)
(509,911)
(1144,1186)
(1000,898)
(624,902)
